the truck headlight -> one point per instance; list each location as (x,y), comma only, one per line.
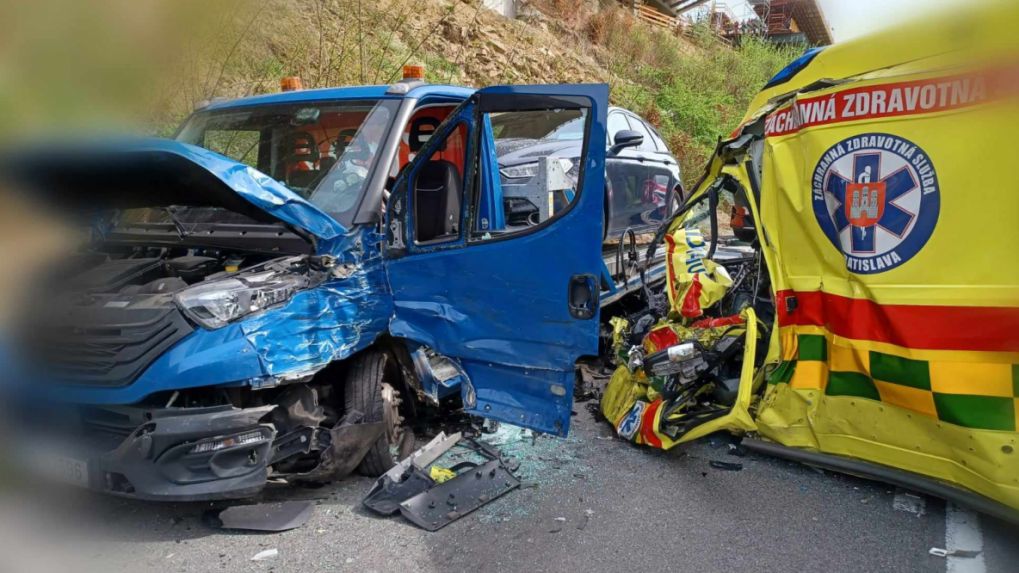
(520,171)
(218,303)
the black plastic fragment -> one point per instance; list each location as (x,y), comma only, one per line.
(386,495)
(449,501)
(726,466)
(271,517)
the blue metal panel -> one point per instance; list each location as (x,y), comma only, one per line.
(501,306)
(347,93)
(351,93)
(491,209)
(230,177)
(315,327)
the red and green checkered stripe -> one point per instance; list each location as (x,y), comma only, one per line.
(979,400)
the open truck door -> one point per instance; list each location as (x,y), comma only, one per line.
(509,305)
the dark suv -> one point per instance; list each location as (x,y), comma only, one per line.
(642,179)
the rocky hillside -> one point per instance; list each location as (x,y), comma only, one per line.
(693,87)
(103,64)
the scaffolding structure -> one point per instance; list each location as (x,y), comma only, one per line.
(792,21)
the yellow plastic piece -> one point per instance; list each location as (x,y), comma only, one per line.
(440,475)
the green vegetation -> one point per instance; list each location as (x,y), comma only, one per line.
(148,65)
(695,88)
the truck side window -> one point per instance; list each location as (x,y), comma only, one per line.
(539,156)
(438,190)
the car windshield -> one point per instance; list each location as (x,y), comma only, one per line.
(323,151)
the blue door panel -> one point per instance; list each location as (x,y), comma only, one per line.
(501,306)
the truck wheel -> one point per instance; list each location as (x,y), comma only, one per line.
(370,387)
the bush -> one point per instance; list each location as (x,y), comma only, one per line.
(693,87)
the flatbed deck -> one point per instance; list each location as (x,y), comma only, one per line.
(615,286)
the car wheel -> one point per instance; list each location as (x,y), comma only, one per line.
(370,387)
(674,206)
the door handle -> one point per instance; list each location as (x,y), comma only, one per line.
(583,296)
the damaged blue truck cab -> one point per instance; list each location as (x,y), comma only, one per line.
(284,284)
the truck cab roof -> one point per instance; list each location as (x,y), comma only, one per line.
(345,93)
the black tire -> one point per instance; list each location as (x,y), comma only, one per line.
(363,391)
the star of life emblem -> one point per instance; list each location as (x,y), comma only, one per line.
(876,198)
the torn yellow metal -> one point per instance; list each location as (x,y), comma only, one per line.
(636,409)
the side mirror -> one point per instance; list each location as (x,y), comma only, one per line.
(626,138)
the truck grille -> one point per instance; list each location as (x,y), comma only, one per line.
(109,355)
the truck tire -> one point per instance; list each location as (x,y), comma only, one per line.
(370,388)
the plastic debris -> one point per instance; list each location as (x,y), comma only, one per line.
(267,554)
(939,552)
(270,517)
(441,475)
(726,466)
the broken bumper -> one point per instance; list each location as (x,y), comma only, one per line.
(177,455)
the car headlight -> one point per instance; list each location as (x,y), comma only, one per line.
(218,303)
(520,171)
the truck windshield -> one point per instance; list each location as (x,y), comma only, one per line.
(324,151)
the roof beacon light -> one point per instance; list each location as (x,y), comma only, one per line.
(414,73)
(293,83)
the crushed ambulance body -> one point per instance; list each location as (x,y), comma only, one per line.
(878,174)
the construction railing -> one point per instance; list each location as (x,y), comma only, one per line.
(654,17)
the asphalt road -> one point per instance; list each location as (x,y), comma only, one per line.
(645,511)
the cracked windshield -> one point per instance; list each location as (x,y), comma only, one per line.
(324,151)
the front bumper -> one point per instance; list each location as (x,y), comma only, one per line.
(176,454)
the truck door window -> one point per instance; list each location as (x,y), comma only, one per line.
(438,190)
(418,130)
(539,156)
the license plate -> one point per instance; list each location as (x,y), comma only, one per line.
(61,468)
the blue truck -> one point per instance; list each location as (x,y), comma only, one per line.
(283,286)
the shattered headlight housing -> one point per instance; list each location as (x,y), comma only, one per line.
(218,303)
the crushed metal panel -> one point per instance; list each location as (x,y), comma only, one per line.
(330,322)
(506,316)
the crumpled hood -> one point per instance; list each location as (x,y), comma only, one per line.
(149,172)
